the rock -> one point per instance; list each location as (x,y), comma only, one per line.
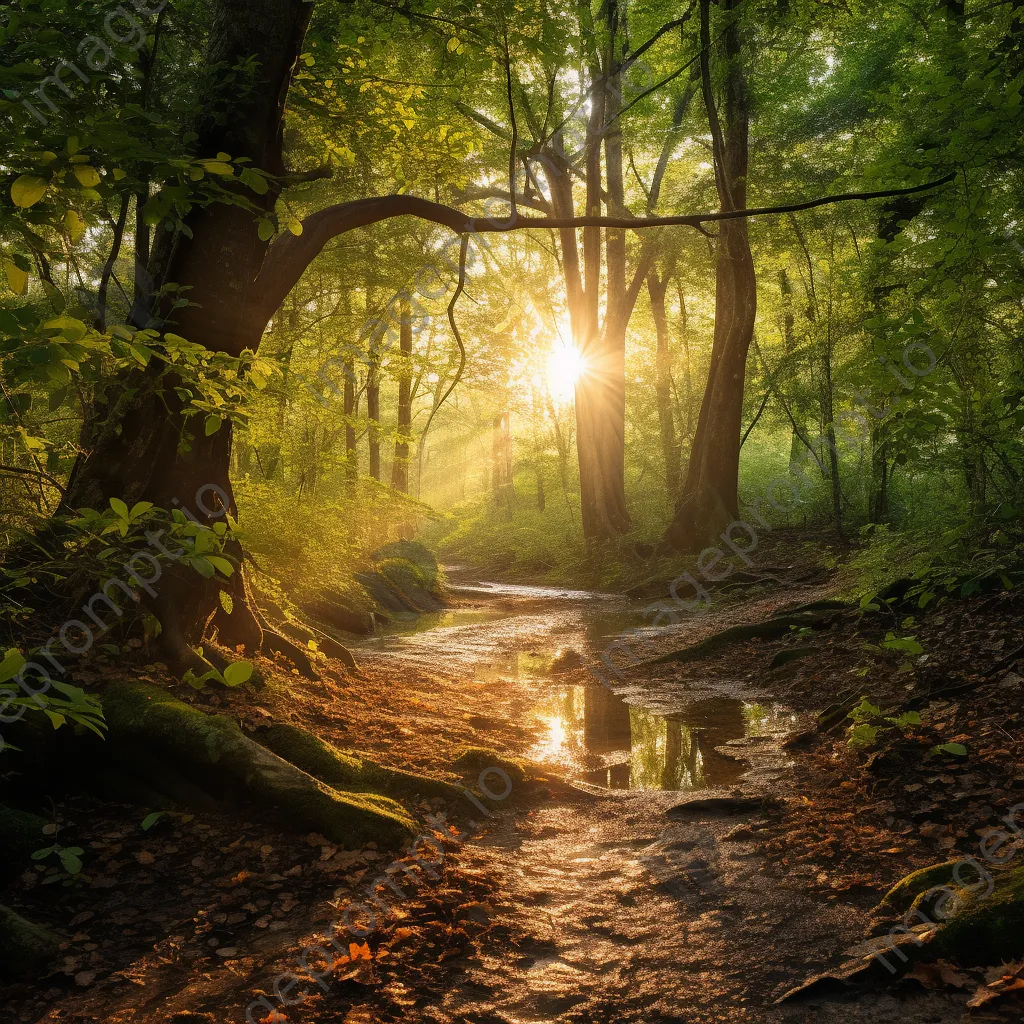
(720,807)
(567,660)
(478,759)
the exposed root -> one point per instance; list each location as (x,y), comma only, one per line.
(20,833)
(193,757)
(278,644)
(778,626)
(348,771)
(23,946)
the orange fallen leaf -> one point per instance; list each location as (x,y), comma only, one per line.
(357,952)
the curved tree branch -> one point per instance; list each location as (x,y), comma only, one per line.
(289,256)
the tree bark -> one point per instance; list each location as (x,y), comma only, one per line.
(351,411)
(373,410)
(710,498)
(670,448)
(400,466)
(134,443)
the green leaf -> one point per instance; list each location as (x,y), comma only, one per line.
(88,177)
(255,181)
(226,602)
(202,566)
(237,673)
(119,507)
(12,664)
(212,424)
(150,820)
(218,167)
(955,749)
(863,735)
(906,720)
(139,508)
(17,278)
(70,860)
(221,563)
(28,190)
(266,229)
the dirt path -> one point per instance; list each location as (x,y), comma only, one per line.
(570,904)
(608,909)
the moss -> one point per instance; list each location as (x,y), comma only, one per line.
(347,771)
(422,559)
(212,749)
(903,895)
(985,930)
(21,833)
(982,929)
(476,759)
(23,946)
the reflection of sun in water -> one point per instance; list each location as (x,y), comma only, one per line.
(554,742)
(565,366)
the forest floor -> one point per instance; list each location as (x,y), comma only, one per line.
(567,901)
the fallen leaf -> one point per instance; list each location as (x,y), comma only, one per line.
(986,993)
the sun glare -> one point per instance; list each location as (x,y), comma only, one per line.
(565,366)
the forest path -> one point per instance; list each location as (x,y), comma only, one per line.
(608,910)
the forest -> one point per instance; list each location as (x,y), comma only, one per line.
(511,511)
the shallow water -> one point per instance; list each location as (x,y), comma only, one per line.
(529,634)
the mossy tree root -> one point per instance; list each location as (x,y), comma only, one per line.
(178,749)
(24,946)
(21,833)
(348,771)
(770,629)
(980,914)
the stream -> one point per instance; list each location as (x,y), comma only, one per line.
(536,636)
(610,907)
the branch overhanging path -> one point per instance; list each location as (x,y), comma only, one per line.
(289,256)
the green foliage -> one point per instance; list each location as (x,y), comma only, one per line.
(234,674)
(70,864)
(953,749)
(69,704)
(904,644)
(868,723)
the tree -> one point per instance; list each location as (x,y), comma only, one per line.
(709,498)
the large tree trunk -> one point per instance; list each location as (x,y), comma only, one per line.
(710,499)
(135,443)
(600,392)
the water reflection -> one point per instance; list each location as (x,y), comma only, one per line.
(611,744)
